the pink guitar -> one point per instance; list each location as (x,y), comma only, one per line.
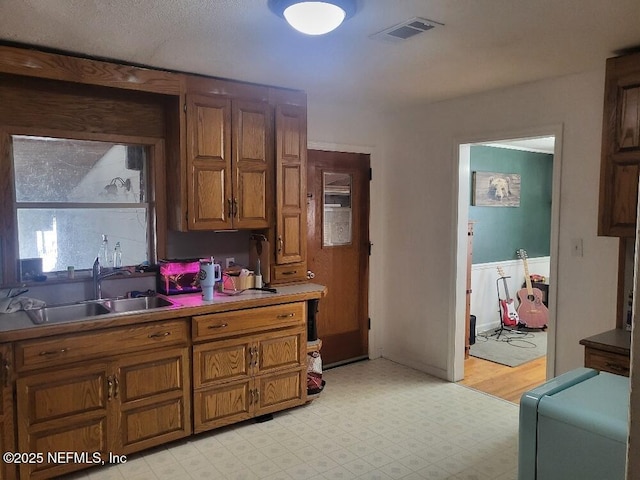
(507,307)
(533,313)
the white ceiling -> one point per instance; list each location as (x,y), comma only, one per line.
(483,45)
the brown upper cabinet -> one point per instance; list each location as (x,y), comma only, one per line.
(291,193)
(620,147)
(229,163)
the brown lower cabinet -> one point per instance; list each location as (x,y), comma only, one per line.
(7,435)
(111,404)
(88,397)
(239,375)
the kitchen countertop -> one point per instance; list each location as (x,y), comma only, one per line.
(17,326)
(617,340)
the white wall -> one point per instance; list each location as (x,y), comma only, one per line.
(413,212)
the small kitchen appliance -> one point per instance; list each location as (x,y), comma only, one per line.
(178,276)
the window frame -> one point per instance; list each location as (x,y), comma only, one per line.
(156,193)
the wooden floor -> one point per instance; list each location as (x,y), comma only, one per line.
(501,381)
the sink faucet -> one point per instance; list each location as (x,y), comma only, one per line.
(98,277)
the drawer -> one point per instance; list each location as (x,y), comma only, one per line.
(226,324)
(63,349)
(295,272)
(607,361)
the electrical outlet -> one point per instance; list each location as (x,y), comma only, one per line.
(229,262)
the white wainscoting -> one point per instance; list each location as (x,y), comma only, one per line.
(484,296)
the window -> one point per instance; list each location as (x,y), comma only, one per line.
(68,193)
(337,219)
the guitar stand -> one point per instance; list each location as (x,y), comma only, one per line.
(498,331)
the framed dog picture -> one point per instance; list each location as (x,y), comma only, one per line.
(490,189)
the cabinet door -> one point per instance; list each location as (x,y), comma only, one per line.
(279,391)
(7,433)
(63,411)
(221,405)
(282,350)
(152,394)
(252,164)
(222,382)
(620,147)
(291,181)
(209,201)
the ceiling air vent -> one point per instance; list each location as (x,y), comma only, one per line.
(405,30)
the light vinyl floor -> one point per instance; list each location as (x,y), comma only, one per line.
(374,420)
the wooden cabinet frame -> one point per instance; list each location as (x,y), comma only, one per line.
(8,471)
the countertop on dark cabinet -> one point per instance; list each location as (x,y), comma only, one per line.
(609,351)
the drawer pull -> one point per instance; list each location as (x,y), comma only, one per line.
(222,325)
(287,315)
(290,272)
(159,335)
(616,367)
(53,352)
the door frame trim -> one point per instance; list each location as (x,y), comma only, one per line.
(461,197)
(374,305)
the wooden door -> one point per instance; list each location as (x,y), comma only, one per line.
(7,433)
(210,200)
(152,393)
(338,250)
(252,164)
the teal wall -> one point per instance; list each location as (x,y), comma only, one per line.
(500,231)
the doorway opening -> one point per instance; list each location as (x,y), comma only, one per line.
(505,227)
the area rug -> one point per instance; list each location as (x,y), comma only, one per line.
(513,348)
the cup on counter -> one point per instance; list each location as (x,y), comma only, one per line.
(210,273)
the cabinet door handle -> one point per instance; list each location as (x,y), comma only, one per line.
(6,369)
(235,207)
(250,397)
(257,396)
(287,315)
(290,272)
(53,352)
(159,335)
(109,388)
(280,243)
(116,386)
(222,325)
(230,203)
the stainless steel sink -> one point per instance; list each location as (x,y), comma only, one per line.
(136,304)
(93,308)
(66,313)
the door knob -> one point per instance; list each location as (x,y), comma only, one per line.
(310,275)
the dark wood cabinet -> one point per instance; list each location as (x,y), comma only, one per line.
(608,351)
(620,162)
(7,433)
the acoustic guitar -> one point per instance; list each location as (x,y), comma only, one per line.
(508,312)
(532,312)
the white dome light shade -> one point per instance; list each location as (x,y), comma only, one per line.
(314,18)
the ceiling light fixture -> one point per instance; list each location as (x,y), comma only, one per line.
(313,17)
